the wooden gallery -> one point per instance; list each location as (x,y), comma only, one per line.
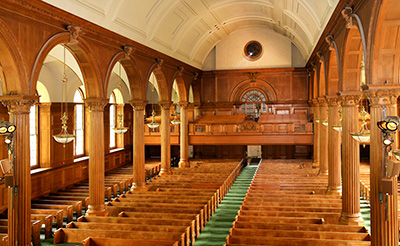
(199,122)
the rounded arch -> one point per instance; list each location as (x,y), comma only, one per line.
(135,82)
(82,53)
(384,62)
(164,92)
(42,92)
(247,85)
(181,89)
(333,74)
(14,79)
(352,57)
(322,79)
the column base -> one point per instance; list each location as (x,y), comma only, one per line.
(184,163)
(138,187)
(334,190)
(315,164)
(165,171)
(323,173)
(96,210)
(351,219)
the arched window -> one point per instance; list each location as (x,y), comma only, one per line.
(254,103)
(112,120)
(33,136)
(79,142)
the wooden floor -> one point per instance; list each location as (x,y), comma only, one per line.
(286,205)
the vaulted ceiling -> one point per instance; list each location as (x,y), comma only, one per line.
(189,29)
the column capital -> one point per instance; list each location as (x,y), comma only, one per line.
(19,104)
(165,105)
(183,105)
(382,95)
(332,100)
(138,105)
(96,104)
(322,101)
(350,98)
(315,102)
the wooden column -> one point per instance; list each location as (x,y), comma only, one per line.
(315,110)
(184,137)
(334,148)
(165,137)
(19,197)
(351,160)
(139,175)
(96,156)
(384,214)
(323,137)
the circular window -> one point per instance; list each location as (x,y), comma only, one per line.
(253,50)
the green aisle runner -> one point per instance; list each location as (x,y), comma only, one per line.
(217,229)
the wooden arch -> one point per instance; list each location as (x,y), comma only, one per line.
(385,59)
(183,90)
(82,53)
(333,74)
(163,88)
(322,78)
(247,85)
(13,70)
(134,75)
(353,51)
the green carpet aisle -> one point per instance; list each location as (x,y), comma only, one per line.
(217,229)
(366,214)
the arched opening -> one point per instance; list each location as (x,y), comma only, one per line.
(352,61)
(333,74)
(254,104)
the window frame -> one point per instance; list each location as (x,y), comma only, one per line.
(37,165)
(114,105)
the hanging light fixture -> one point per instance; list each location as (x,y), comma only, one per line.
(363,136)
(338,127)
(64,137)
(120,129)
(316,120)
(153,124)
(175,121)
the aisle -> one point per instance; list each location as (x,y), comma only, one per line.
(217,228)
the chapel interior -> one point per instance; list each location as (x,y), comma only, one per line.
(199,122)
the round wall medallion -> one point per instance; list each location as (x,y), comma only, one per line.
(253,50)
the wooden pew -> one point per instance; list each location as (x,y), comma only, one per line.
(56,213)
(251,241)
(4,239)
(47,221)
(76,205)
(36,225)
(90,241)
(68,210)
(83,199)
(69,235)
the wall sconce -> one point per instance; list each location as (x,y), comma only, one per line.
(363,136)
(7,129)
(316,120)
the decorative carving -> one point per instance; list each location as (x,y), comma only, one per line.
(320,56)
(252,76)
(331,42)
(74,33)
(195,75)
(17,104)
(138,105)
(183,105)
(96,104)
(347,14)
(159,62)
(332,101)
(128,50)
(249,126)
(322,102)
(382,97)
(165,105)
(350,100)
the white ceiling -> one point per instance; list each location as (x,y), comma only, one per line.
(189,29)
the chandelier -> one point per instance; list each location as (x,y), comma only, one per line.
(64,137)
(153,124)
(175,121)
(363,136)
(120,129)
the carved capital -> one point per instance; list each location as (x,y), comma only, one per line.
(183,105)
(329,39)
(128,50)
(347,14)
(19,104)
(138,105)
(322,102)
(348,100)
(96,104)
(165,105)
(74,33)
(315,102)
(382,97)
(332,101)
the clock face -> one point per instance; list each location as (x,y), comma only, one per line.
(253,50)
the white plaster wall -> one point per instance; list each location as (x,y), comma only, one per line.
(277,50)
